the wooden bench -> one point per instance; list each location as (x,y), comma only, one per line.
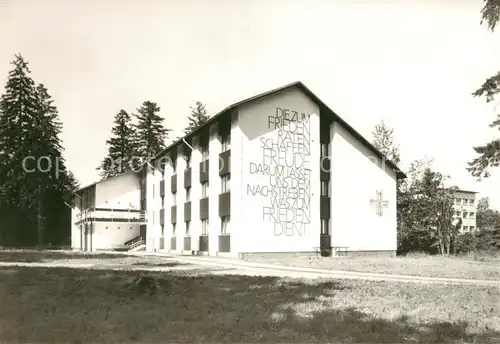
(340,250)
(336,250)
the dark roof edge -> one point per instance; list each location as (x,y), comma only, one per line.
(399,173)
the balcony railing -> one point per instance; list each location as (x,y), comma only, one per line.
(119,215)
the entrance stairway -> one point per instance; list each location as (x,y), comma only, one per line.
(136,244)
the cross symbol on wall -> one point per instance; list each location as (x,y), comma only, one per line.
(380,203)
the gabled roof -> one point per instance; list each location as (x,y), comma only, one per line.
(399,174)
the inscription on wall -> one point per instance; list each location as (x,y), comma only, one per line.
(285,162)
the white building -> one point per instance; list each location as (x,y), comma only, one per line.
(465,207)
(107,214)
(279,173)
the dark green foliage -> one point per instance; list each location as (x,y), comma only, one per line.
(480,241)
(122,147)
(488,153)
(34,181)
(151,132)
(197,117)
(425,214)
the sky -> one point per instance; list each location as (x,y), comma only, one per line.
(412,64)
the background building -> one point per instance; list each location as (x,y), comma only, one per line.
(465,207)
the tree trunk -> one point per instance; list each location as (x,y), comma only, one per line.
(39,218)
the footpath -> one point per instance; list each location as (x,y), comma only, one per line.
(251,268)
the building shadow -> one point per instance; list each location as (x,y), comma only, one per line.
(69,305)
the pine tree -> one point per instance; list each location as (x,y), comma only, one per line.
(33,180)
(488,153)
(55,181)
(151,132)
(20,110)
(197,117)
(122,147)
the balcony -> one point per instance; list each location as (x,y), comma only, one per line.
(225,204)
(204,169)
(224,243)
(187,211)
(203,243)
(225,163)
(324,207)
(173,214)
(173,183)
(325,168)
(111,215)
(162,217)
(162,188)
(187,178)
(204,208)
(187,243)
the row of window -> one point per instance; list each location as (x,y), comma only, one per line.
(224,227)
(464,201)
(468,228)
(225,187)
(464,214)
(205,152)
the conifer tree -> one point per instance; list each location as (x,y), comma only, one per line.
(122,147)
(19,108)
(33,178)
(151,132)
(197,117)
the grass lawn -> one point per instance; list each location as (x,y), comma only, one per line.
(434,266)
(48,305)
(99,260)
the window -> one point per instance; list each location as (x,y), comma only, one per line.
(188,229)
(187,157)
(204,153)
(471,215)
(471,228)
(204,227)
(153,216)
(174,166)
(174,229)
(225,142)
(325,150)
(153,186)
(471,201)
(325,188)
(224,225)
(204,189)
(325,227)
(464,215)
(457,200)
(188,194)
(457,213)
(225,182)
(466,228)
(465,201)
(174,198)
(162,229)
(163,202)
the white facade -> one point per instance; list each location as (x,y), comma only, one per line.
(276,193)
(357,174)
(465,207)
(106,214)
